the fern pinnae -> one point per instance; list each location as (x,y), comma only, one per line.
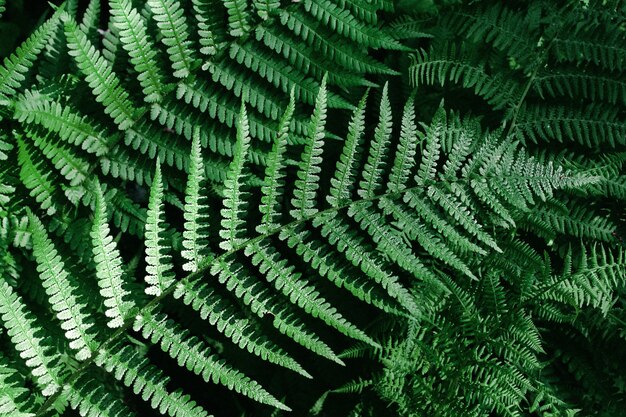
(15,399)
(375,164)
(242,330)
(389,240)
(191,352)
(265,8)
(135,40)
(427,238)
(261,301)
(407,147)
(16,65)
(159,268)
(425,211)
(272,189)
(196,233)
(39,183)
(307,184)
(233,224)
(65,159)
(25,334)
(36,108)
(61,291)
(109,271)
(344,23)
(322,258)
(172,24)
(305,295)
(208,41)
(104,83)
(93,399)
(238,17)
(91,19)
(357,251)
(432,149)
(128,366)
(343,182)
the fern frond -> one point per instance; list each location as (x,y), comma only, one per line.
(603,49)
(172,24)
(91,20)
(109,271)
(135,40)
(323,258)
(135,371)
(192,353)
(196,211)
(61,291)
(238,17)
(104,83)
(334,47)
(233,223)
(447,64)
(242,330)
(592,280)
(282,75)
(263,302)
(71,126)
(159,273)
(307,184)
(15,399)
(208,40)
(305,295)
(28,339)
(91,398)
(591,126)
(39,182)
(375,165)
(407,147)
(307,59)
(344,180)
(272,189)
(14,68)
(594,87)
(389,241)
(357,252)
(64,158)
(344,23)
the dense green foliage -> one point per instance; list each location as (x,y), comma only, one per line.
(316,207)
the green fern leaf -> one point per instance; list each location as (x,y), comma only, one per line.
(192,353)
(233,324)
(273,183)
(172,24)
(407,148)
(61,291)
(104,83)
(233,223)
(346,171)
(134,39)
(111,279)
(375,164)
(238,17)
(277,271)
(196,211)
(147,380)
(14,68)
(159,273)
(307,183)
(26,336)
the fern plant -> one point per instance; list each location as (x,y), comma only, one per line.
(239,208)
